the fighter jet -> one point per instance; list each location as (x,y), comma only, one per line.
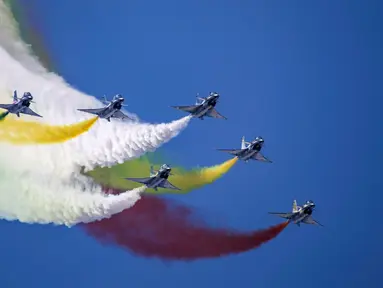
(157,178)
(111,110)
(204,107)
(249,150)
(300,214)
(20,105)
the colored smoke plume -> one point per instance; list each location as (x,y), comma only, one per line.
(37,188)
(17,131)
(3,115)
(157,227)
(186,180)
(34,198)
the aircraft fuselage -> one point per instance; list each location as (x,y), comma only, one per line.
(302,215)
(110,110)
(19,106)
(250,151)
(157,180)
(205,108)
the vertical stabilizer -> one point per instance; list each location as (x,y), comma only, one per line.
(14,96)
(295,206)
(243,143)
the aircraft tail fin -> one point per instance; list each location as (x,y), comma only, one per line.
(295,206)
(243,143)
(105,100)
(15,96)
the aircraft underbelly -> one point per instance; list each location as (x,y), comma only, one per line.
(16,108)
(13,109)
(156,182)
(202,111)
(108,113)
(248,155)
(299,218)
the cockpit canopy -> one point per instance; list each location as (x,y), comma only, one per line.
(119,97)
(28,95)
(259,139)
(310,203)
(165,167)
(214,94)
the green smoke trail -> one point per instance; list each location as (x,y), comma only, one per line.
(3,115)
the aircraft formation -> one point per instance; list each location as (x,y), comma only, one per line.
(204,107)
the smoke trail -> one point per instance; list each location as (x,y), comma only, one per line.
(156,227)
(3,115)
(107,143)
(17,131)
(47,196)
(31,198)
(183,179)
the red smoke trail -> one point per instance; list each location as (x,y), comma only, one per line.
(157,227)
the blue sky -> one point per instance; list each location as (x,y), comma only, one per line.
(305,75)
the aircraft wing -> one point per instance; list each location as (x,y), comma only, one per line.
(190,109)
(215,114)
(310,220)
(231,151)
(93,111)
(258,156)
(283,215)
(29,111)
(6,106)
(140,180)
(167,185)
(120,115)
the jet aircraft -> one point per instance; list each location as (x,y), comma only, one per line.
(300,214)
(20,105)
(111,110)
(249,150)
(157,178)
(204,107)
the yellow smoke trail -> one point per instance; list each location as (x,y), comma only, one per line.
(186,180)
(17,131)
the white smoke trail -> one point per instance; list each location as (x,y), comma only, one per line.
(31,199)
(106,144)
(40,188)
